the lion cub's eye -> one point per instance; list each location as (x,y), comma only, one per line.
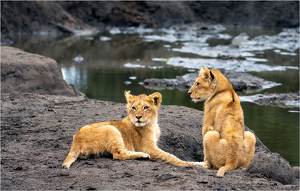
(133,108)
(146,107)
(197,84)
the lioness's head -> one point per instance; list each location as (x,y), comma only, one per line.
(142,109)
(204,85)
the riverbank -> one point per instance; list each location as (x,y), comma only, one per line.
(39,17)
(37,128)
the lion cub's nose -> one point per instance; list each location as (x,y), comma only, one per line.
(190,93)
(138,117)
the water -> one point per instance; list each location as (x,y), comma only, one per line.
(106,64)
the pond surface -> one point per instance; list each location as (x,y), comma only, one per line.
(105,64)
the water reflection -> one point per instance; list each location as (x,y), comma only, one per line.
(99,64)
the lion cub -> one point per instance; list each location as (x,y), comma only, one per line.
(133,137)
(227,146)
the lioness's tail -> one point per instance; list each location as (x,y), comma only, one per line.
(72,156)
(159,155)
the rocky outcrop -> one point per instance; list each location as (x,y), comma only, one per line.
(73,16)
(273,166)
(32,73)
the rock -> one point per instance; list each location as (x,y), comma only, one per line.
(296,182)
(296,171)
(32,73)
(284,100)
(18,168)
(239,41)
(230,57)
(273,166)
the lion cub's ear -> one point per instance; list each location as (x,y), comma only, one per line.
(205,72)
(128,96)
(209,76)
(156,98)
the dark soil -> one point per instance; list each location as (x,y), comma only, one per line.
(36,136)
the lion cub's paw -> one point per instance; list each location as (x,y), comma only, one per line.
(143,156)
(221,171)
(66,166)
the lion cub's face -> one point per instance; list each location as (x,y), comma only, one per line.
(142,109)
(203,86)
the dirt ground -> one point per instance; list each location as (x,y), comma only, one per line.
(36,135)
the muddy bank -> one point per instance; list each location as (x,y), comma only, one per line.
(76,17)
(36,136)
(240,81)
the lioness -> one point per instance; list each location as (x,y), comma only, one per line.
(227,146)
(133,137)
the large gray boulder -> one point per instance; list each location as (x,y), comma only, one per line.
(32,73)
(273,166)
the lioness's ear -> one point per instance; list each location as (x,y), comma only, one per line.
(128,96)
(156,98)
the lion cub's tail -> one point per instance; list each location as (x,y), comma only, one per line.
(72,156)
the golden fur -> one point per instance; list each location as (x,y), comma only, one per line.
(133,137)
(227,146)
